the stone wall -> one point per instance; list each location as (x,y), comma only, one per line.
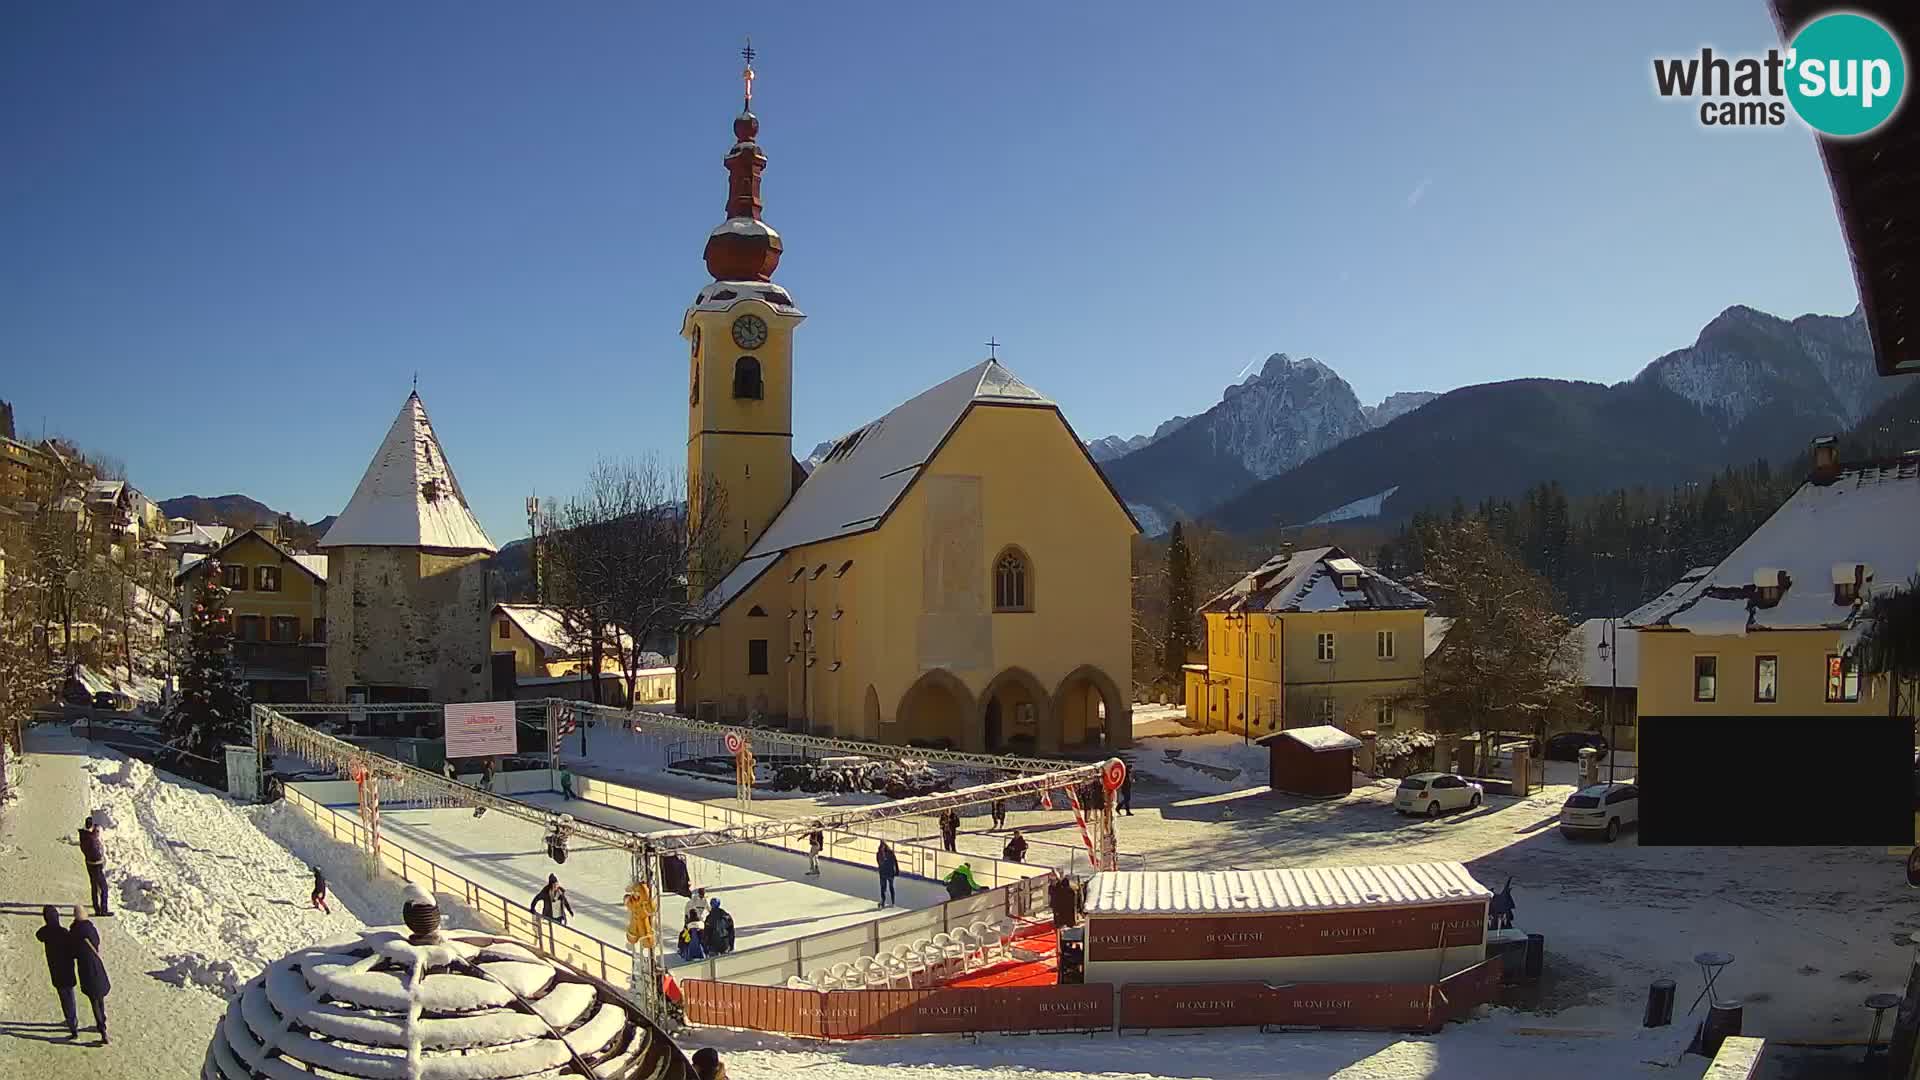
(406,617)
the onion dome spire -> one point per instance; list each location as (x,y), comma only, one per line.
(744,248)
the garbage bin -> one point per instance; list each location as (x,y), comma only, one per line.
(1660,1003)
(1536,955)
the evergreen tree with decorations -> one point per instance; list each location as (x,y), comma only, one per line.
(211,710)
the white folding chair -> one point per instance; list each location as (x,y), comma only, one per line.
(915,964)
(935,960)
(795,982)
(971,955)
(897,972)
(872,975)
(846,978)
(954,953)
(822,979)
(1001,934)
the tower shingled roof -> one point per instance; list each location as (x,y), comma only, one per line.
(408,496)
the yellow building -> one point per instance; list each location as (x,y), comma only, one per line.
(278,601)
(26,474)
(954,573)
(1766,632)
(548,659)
(1315,638)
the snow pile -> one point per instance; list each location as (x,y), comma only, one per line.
(196,880)
(195,970)
(1216,763)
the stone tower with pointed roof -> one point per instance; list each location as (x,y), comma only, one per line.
(955,572)
(407,596)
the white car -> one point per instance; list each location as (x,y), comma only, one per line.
(1600,810)
(1431,792)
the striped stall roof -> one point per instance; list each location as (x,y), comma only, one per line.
(1333,888)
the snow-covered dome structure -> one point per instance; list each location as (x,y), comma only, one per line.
(416,1003)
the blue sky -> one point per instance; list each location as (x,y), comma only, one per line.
(233,232)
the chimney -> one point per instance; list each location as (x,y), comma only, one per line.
(1826,458)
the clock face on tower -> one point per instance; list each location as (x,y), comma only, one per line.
(749,331)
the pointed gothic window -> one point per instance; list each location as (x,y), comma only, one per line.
(746,378)
(1012,582)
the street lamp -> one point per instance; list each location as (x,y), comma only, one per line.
(1610,649)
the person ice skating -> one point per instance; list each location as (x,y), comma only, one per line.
(960,883)
(446,769)
(1126,793)
(553,896)
(91,968)
(486,783)
(1016,848)
(719,930)
(319,898)
(816,841)
(707,1064)
(59,946)
(999,813)
(95,852)
(691,945)
(566,783)
(950,829)
(889,865)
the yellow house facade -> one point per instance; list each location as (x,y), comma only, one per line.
(1767,631)
(954,573)
(1314,638)
(278,605)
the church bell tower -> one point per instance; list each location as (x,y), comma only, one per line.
(739,334)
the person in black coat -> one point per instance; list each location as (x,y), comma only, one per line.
(889,865)
(950,829)
(59,945)
(95,852)
(1126,793)
(719,930)
(553,896)
(319,897)
(1016,850)
(999,813)
(91,968)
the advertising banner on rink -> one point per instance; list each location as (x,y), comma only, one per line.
(482,729)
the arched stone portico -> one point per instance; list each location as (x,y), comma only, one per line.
(1088,705)
(937,706)
(1016,713)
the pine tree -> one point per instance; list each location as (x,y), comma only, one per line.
(1180,636)
(211,710)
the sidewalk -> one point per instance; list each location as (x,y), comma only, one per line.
(158,1030)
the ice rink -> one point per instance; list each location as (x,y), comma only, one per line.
(767,890)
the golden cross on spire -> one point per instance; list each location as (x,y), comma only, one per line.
(748,54)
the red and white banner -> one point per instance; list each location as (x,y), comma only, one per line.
(482,729)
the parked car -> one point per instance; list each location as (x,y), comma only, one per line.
(1600,810)
(1567,745)
(1430,793)
(104,699)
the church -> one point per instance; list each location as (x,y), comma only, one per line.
(956,573)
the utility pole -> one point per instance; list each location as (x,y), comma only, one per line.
(1613,727)
(533,544)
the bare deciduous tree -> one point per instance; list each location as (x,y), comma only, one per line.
(620,556)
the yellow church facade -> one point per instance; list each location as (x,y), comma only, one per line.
(955,573)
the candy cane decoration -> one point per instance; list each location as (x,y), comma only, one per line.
(1080,816)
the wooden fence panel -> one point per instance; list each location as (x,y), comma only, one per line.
(1462,992)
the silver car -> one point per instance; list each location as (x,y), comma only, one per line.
(1600,810)
(1430,793)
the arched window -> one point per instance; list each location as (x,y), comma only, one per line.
(746,378)
(1012,581)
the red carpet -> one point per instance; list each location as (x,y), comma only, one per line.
(1036,937)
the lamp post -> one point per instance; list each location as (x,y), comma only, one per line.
(1610,648)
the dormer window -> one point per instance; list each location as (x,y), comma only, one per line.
(1768,584)
(1849,579)
(746,379)
(1349,582)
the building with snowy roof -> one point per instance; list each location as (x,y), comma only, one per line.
(1312,637)
(408,595)
(955,572)
(277,601)
(552,660)
(1766,632)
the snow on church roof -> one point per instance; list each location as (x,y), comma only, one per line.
(1864,516)
(409,497)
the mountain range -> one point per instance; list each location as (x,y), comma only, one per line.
(1292,445)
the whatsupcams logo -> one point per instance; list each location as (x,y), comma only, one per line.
(1843,74)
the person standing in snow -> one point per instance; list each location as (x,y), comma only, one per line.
(319,897)
(59,945)
(94,850)
(91,969)
(816,842)
(889,865)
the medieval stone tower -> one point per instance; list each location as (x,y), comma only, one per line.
(407,596)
